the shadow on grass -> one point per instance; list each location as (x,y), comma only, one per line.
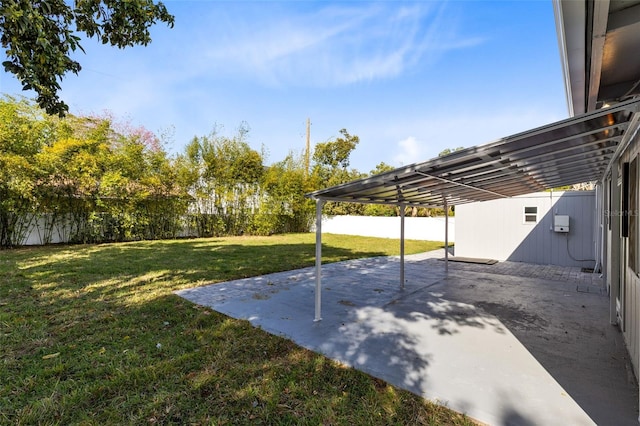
(172,362)
(92,334)
(136,272)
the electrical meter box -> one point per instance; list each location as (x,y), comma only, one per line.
(561,223)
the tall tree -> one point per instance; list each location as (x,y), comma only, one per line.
(39,36)
(331,167)
(284,207)
(336,153)
(24,131)
(223,174)
(331,160)
(380,209)
(448,151)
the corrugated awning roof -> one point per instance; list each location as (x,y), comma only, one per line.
(575,150)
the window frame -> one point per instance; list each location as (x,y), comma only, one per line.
(526,215)
(632,211)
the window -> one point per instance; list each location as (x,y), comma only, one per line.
(629,220)
(631,216)
(624,225)
(530,214)
(608,215)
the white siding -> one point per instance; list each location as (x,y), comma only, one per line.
(497,230)
(630,297)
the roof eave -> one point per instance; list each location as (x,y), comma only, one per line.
(570,17)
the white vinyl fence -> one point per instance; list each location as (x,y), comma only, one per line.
(416,228)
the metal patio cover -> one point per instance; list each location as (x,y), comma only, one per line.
(575,150)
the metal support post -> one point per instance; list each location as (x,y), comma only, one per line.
(616,242)
(402,207)
(446,234)
(319,204)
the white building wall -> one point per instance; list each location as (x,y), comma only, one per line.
(630,286)
(496,229)
(416,228)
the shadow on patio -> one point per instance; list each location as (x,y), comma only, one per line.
(500,348)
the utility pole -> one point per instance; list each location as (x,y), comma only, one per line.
(307,152)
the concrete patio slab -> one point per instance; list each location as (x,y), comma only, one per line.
(503,349)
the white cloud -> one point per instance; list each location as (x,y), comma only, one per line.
(410,151)
(223,59)
(431,133)
(333,46)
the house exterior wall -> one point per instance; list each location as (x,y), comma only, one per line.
(628,301)
(497,229)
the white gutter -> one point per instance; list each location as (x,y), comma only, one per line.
(570,17)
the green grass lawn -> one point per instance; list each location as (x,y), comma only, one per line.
(94,335)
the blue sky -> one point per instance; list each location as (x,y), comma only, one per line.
(409,78)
